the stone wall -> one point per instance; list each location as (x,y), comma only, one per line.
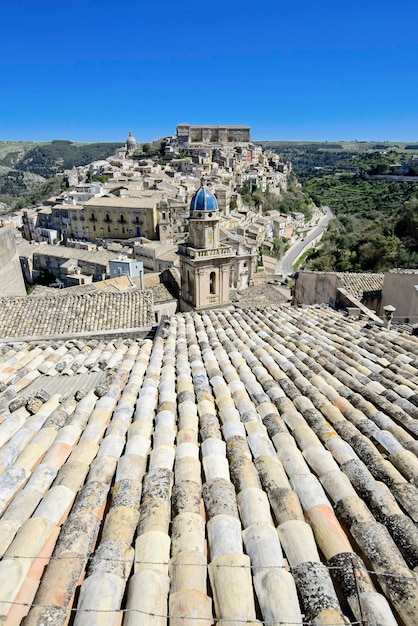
(400,290)
(315,288)
(11,277)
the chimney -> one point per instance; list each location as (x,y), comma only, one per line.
(388,312)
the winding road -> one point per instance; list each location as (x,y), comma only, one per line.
(284,265)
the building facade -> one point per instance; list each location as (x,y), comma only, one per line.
(123,266)
(116,218)
(188,134)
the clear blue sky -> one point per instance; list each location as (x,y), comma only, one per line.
(90,70)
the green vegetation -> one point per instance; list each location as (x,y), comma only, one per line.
(49,159)
(28,169)
(376,221)
(295,200)
(375,226)
(100,178)
(280,246)
(317,159)
(46,189)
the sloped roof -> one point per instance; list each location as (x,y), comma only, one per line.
(57,313)
(358,284)
(245,466)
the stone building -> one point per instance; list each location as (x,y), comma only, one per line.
(165,222)
(333,288)
(11,277)
(69,265)
(243,263)
(205,263)
(188,134)
(156,256)
(130,144)
(116,217)
(123,266)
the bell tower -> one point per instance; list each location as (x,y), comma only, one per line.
(205,263)
(165,227)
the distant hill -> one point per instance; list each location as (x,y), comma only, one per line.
(311,159)
(27,167)
(52,158)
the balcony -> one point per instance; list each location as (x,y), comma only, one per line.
(194,253)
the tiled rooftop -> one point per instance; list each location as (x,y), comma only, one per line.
(358,284)
(56,313)
(28,249)
(244,467)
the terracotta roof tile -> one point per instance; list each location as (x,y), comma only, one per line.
(247,465)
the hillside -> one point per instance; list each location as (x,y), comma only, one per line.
(27,169)
(316,159)
(376,220)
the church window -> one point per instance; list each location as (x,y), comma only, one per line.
(212,282)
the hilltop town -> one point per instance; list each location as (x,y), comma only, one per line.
(135,205)
(183,438)
(127,223)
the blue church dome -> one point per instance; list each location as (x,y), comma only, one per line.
(204,200)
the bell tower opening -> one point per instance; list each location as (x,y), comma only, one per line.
(212,283)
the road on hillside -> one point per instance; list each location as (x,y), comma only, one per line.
(284,266)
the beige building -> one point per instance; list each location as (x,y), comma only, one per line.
(116,217)
(156,256)
(11,277)
(70,265)
(243,263)
(205,263)
(187,134)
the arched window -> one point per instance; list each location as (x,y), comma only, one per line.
(122,218)
(107,218)
(212,282)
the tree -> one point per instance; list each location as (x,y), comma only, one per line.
(406,227)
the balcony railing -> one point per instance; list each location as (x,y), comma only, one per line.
(203,254)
